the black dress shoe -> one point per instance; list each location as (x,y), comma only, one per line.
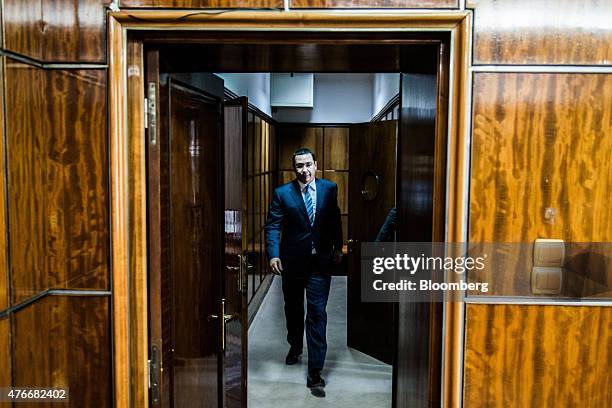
(293,357)
(314,379)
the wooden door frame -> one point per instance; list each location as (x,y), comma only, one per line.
(128,161)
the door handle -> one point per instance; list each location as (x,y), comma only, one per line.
(226,318)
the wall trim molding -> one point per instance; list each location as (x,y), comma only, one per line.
(565,69)
(52,292)
(46,65)
(523,301)
(456,22)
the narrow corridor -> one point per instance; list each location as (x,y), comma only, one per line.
(353,378)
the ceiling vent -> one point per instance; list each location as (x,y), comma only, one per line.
(291,90)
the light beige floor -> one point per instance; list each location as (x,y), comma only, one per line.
(354,380)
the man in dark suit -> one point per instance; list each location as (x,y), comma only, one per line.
(305,213)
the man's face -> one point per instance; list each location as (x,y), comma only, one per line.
(305,167)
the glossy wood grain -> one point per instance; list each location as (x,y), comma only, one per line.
(4,249)
(336,148)
(542,32)
(293,137)
(117,78)
(370,325)
(204,3)
(5,353)
(537,356)
(57,163)
(540,141)
(26,175)
(374,3)
(195,258)
(74,30)
(63,341)
(76,180)
(139,352)
(23,27)
(57,30)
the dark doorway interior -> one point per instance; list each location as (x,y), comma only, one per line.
(411,340)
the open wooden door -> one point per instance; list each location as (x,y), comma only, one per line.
(235,286)
(186,237)
(372,152)
(421,218)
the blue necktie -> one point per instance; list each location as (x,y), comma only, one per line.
(308,203)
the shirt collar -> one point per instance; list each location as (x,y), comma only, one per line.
(312,185)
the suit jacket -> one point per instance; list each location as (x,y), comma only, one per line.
(289,235)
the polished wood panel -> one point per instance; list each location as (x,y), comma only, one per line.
(293,137)
(61,341)
(74,30)
(195,259)
(419,328)
(26,156)
(341,178)
(76,180)
(117,78)
(542,32)
(536,356)
(374,3)
(544,137)
(370,326)
(204,3)
(23,27)
(139,353)
(5,353)
(4,249)
(336,149)
(235,355)
(184,161)
(59,226)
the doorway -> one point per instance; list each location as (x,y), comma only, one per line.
(330,64)
(368,190)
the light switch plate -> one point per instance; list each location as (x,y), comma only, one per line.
(548,253)
(546,281)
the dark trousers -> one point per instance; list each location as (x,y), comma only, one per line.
(316,285)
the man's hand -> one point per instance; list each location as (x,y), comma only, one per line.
(337,256)
(276,266)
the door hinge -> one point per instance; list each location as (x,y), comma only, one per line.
(154,368)
(151,112)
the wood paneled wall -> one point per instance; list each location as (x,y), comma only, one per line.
(5,353)
(55,134)
(204,3)
(541,141)
(542,32)
(58,198)
(4,266)
(56,30)
(64,341)
(57,172)
(538,356)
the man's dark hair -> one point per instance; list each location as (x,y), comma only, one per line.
(303,150)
